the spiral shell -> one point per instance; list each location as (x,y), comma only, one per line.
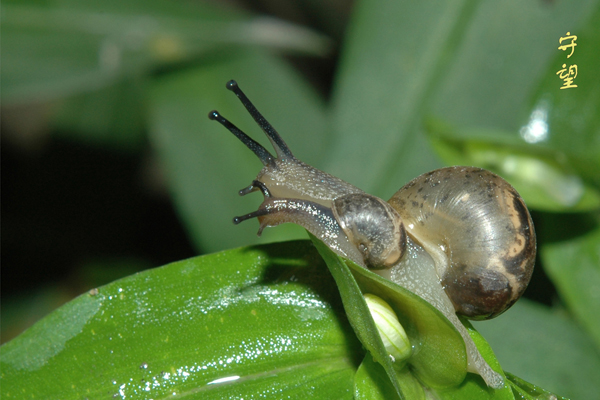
(479,232)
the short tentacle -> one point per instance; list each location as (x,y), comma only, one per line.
(256,184)
(258,213)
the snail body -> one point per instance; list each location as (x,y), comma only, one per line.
(459,237)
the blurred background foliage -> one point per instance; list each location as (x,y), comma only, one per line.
(111,166)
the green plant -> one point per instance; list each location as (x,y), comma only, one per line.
(458,79)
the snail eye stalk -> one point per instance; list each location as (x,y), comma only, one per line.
(263,154)
(281,148)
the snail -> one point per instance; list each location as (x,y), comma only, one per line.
(459,237)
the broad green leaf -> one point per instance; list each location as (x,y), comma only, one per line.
(549,149)
(540,174)
(528,391)
(358,312)
(472,387)
(471,64)
(439,359)
(546,348)
(371,382)
(573,264)
(251,322)
(571,116)
(21,312)
(55,49)
(112,116)
(437,355)
(390,63)
(505,50)
(206,164)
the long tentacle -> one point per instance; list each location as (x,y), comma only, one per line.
(262,153)
(280,146)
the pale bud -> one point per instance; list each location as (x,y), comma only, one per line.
(391,331)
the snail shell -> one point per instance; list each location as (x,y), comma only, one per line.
(479,232)
(460,237)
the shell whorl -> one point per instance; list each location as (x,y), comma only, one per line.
(374,227)
(479,232)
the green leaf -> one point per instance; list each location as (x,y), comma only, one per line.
(257,321)
(504,52)
(371,382)
(573,264)
(206,164)
(472,388)
(358,312)
(56,49)
(112,116)
(459,62)
(516,121)
(440,358)
(571,115)
(389,65)
(547,148)
(422,324)
(541,175)
(544,346)
(528,391)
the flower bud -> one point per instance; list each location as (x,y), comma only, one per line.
(391,331)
